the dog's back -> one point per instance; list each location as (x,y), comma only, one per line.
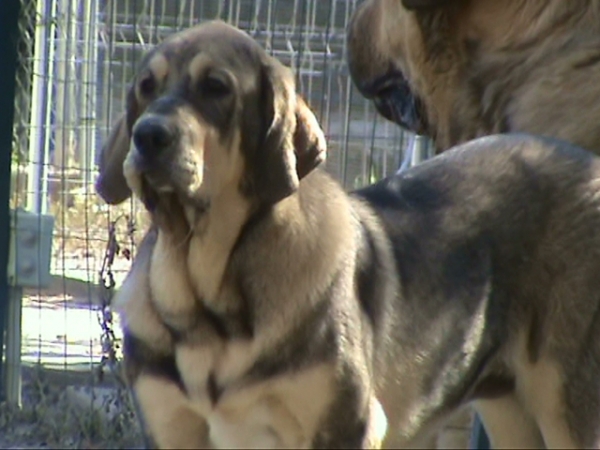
(496,247)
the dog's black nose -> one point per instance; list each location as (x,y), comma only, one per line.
(151,136)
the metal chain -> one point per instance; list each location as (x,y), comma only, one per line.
(111,348)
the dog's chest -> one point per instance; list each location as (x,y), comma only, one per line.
(246,406)
(252,411)
(217,347)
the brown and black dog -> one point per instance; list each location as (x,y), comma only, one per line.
(269,308)
(459,69)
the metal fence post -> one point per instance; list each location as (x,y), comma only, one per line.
(479,439)
(421,150)
(9,36)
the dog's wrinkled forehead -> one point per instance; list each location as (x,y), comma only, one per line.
(212,44)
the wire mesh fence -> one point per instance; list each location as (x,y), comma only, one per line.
(76,59)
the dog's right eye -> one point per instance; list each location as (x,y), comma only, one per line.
(215,85)
(147,86)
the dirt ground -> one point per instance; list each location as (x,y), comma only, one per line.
(61,406)
(53,416)
(61,338)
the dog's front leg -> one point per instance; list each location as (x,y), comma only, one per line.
(162,406)
(355,418)
(167,417)
(169,421)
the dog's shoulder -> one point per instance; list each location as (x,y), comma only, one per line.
(443,209)
(310,228)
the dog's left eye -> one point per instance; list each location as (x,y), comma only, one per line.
(215,85)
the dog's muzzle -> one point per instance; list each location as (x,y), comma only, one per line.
(152,137)
(156,139)
(162,160)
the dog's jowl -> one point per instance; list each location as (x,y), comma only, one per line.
(269,308)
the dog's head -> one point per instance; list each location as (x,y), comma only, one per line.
(458,69)
(409,57)
(384,40)
(210,109)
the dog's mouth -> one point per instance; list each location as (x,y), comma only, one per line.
(150,196)
(394,100)
(175,214)
(155,195)
(176,176)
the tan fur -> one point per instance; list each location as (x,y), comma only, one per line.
(170,415)
(507,423)
(174,301)
(291,406)
(209,250)
(540,390)
(534,415)
(484,66)
(159,67)
(141,316)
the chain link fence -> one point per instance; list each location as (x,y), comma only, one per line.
(76,59)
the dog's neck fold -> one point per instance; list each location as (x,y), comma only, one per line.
(213,239)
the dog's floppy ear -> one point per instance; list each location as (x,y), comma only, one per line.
(309,140)
(111,184)
(294,143)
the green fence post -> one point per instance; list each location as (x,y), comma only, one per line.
(9,36)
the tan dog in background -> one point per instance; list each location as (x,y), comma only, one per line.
(458,69)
